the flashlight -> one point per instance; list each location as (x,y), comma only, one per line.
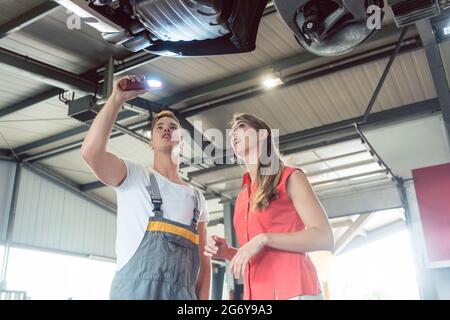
(142,85)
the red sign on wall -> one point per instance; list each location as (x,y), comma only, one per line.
(432,186)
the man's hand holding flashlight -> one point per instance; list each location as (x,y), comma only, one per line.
(121,90)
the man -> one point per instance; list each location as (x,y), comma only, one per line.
(161,220)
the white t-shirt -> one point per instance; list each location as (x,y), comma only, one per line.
(134,207)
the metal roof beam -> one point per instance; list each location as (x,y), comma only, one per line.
(74,145)
(46,73)
(342,131)
(351,233)
(61,136)
(30,102)
(299,77)
(123,66)
(59,78)
(28,18)
(6,155)
(69,81)
(324,135)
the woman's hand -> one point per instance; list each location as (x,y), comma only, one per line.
(245,253)
(217,248)
(123,96)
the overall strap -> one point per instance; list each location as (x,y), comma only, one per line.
(196,208)
(155,195)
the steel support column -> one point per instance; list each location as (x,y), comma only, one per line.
(437,69)
(9,230)
(230,237)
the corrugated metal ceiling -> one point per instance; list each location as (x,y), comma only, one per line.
(34,123)
(49,40)
(16,87)
(347,165)
(339,96)
(13,8)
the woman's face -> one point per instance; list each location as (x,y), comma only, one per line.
(244,141)
(166,135)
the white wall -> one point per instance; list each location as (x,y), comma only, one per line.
(52,217)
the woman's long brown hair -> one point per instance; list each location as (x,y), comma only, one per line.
(267,183)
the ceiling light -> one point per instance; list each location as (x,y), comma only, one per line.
(272,82)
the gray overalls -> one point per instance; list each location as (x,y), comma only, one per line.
(165,266)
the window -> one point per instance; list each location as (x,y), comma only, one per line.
(50,276)
(383,269)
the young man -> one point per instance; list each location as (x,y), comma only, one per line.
(161,220)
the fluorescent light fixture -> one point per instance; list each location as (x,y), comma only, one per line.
(152,83)
(272,82)
(447,30)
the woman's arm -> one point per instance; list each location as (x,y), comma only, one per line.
(318,235)
(203,285)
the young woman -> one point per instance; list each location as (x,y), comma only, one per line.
(161,220)
(278,220)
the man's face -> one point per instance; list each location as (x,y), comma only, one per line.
(166,135)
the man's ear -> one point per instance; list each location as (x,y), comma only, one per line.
(151,144)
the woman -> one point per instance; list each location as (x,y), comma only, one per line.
(277,219)
(161,220)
